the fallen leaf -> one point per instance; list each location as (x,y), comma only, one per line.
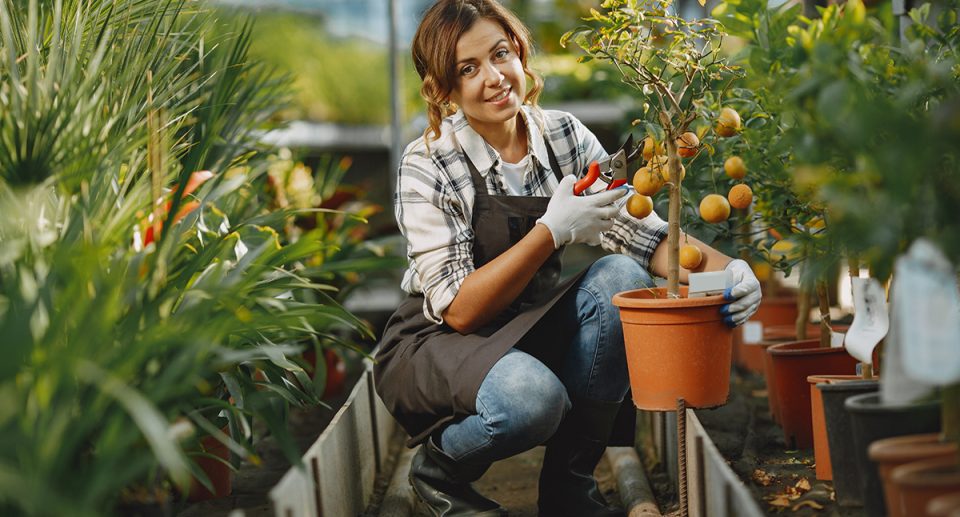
(811,504)
(803,484)
(760,477)
(780,500)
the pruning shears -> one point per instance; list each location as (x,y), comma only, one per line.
(612,169)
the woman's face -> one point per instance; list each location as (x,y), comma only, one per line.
(490,80)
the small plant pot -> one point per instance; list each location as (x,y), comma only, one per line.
(774,336)
(890,453)
(872,420)
(792,364)
(821,447)
(781,310)
(676,348)
(217,468)
(944,506)
(843,466)
(335,367)
(922,481)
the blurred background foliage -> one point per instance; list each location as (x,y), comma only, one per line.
(341,75)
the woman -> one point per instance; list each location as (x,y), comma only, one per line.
(491,355)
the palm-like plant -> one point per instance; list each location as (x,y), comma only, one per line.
(115,352)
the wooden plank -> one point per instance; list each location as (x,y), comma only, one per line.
(293,495)
(723,489)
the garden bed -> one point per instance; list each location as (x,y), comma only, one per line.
(781,480)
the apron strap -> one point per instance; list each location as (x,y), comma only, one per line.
(480,186)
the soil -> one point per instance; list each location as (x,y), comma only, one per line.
(782,481)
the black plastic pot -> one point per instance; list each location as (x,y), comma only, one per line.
(846,475)
(872,420)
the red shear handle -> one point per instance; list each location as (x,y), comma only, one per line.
(592,174)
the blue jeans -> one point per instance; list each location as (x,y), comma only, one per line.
(523,398)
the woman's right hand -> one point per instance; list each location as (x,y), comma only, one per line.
(579,219)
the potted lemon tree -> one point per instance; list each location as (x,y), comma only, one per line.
(676,66)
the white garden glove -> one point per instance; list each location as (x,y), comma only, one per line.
(579,219)
(744,294)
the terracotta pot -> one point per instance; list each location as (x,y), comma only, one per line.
(789,332)
(922,481)
(889,453)
(336,370)
(775,335)
(871,420)
(781,310)
(219,472)
(792,364)
(676,348)
(944,505)
(821,447)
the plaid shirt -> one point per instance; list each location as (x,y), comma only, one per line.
(434,199)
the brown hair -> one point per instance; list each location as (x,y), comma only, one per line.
(434,52)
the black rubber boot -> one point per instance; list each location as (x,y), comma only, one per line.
(567,485)
(443,485)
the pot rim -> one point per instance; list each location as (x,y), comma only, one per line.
(909,447)
(868,384)
(642,299)
(871,403)
(784,349)
(834,378)
(930,472)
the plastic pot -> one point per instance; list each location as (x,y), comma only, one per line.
(792,364)
(873,420)
(922,481)
(890,453)
(821,447)
(781,310)
(846,475)
(944,506)
(676,348)
(215,463)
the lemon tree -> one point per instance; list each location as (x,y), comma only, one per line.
(677,66)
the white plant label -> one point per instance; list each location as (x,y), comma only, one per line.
(752,332)
(928,309)
(870,320)
(836,339)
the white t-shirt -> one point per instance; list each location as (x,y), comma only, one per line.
(513,175)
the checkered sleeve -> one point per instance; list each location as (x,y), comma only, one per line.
(431,215)
(638,238)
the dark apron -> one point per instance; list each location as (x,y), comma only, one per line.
(428,374)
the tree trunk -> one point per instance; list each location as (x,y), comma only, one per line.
(673,215)
(824,299)
(950,416)
(803,309)
(673,228)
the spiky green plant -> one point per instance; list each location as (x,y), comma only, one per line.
(117,351)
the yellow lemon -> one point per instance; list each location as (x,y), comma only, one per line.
(714,208)
(740,196)
(735,168)
(639,205)
(647,182)
(690,256)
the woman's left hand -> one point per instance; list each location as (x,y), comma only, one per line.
(744,294)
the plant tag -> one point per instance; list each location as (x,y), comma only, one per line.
(836,339)
(928,309)
(708,284)
(752,332)
(870,321)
